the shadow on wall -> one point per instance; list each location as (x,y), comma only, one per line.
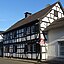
(52,61)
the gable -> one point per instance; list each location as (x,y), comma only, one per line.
(50,17)
(56,24)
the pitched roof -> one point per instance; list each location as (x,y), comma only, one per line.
(56,24)
(37,15)
(63,9)
(1,32)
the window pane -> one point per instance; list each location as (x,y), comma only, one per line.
(34,47)
(14,48)
(28,30)
(32,29)
(37,28)
(61,43)
(55,13)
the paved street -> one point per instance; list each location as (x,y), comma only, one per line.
(15,61)
(23,61)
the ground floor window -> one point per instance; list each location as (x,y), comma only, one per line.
(6,49)
(61,44)
(14,48)
(29,47)
(34,47)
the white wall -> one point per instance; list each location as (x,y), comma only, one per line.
(50,17)
(54,36)
(1,37)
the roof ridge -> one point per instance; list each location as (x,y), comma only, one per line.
(32,17)
(43,9)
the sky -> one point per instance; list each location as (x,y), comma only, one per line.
(11,11)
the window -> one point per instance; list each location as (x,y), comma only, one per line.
(19,40)
(17,31)
(24,31)
(19,35)
(55,13)
(14,48)
(61,43)
(37,28)
(34,47)
(23,39)
(22,34)
(11,37)
(6,49)
(32,29)
(14,34)
(25,49)
(28,30)
(20,31)
(4,36)
(28,37)
(8,36)
(29,47)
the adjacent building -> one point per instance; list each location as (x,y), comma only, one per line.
(1,44)
(56,39)
(29,38)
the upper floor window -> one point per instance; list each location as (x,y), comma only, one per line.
(14,34)
(20,31)
(17,31)
(8,36)
(55,13)
(32,29)
(25,31)
(36,28)
(28,30)
(4,37)
(10,33)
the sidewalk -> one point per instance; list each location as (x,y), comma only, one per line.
(25,61)
(17,61)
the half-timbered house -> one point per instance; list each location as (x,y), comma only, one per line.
(26,38)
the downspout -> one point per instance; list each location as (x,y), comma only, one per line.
(39,41)
(39,38)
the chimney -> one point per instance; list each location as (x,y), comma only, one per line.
(27,14)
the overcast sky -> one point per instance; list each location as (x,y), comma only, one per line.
(13,10)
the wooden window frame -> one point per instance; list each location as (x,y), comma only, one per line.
(14,49)
(55,13)
(61,47)
(7,49)
(28,31)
